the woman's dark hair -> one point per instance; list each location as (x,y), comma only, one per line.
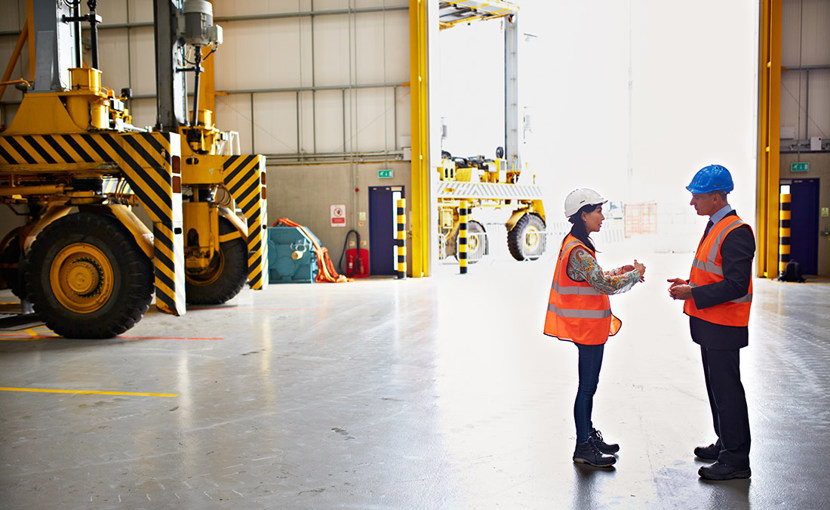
(578,230)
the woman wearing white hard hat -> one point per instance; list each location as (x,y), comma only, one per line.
(579,311)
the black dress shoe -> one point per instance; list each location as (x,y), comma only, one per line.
(596,437)
(709,453)
(588,453)
(718,471)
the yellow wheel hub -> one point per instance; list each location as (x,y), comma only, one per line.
(82,278)
(531,238)
(210,274)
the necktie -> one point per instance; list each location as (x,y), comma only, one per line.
(709,226)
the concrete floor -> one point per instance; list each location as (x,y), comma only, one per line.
(425,393)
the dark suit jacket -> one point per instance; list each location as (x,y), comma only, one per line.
(737,251)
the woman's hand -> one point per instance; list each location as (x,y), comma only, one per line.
(641,268)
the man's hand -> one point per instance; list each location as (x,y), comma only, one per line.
(679,289)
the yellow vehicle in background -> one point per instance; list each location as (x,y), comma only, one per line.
(73,164)
(488,184)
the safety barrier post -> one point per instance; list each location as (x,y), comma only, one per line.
(462,237)
(784,215)
(400,242)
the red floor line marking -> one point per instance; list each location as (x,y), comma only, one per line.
(250,308)
(171,337)
(8,338)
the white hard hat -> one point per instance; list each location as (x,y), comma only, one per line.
(581,197)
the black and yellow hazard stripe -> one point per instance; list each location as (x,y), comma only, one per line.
(784,216)
(245,180)
(146,161)
(463,213)
(400,238)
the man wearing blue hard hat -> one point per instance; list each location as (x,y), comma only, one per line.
(717,298)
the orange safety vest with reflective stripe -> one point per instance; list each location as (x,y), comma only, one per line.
(707,268)
(576,311)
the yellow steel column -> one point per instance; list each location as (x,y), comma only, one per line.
(769,119)
(30,23)
(419,98)
(207,82)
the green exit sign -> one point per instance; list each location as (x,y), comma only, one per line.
(385,174)
(799,167)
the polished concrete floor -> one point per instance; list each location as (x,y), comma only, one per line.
(418,394)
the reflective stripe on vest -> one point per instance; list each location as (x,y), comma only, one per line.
(576,311)
(707,268)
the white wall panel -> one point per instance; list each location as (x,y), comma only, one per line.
(306,115)
(811,19)
(403,117)
(140,10)
(143,111)
(13,14)
(374,120)
(254,7)
(234,114)
(111,12)
(819,114)
(323,5)
(21,69)
(328,114)
(262,54)
(112,48)
(382,47)
(275,123)
(805,41)
(143,60)
(332,50)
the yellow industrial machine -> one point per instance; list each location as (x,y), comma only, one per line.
(74,165)
(484,184)
(488,184)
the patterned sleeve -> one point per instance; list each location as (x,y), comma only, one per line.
(583,267)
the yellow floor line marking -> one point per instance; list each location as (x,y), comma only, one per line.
(87,392)
(5,337)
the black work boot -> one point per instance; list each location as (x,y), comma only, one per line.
(718,471)
(588,453)
(709,453)
(596,437)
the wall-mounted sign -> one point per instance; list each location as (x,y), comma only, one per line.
(338,215)
(799,167)
(385,174)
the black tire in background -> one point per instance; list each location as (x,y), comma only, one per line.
(527,239)
(226,274)
(87,277)
(476,242)
(10,254)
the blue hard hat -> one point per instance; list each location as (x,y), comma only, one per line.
(711,178)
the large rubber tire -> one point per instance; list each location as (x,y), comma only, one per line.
(10,254)
(87,277)
(526,239)
(476,242)
(226,274)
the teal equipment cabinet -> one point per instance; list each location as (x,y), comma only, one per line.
(291,255)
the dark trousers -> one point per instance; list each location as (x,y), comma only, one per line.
(590,361)
(722,371)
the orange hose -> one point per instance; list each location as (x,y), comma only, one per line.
(325,268)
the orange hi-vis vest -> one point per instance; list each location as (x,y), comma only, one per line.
(576,311)
(707,268)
